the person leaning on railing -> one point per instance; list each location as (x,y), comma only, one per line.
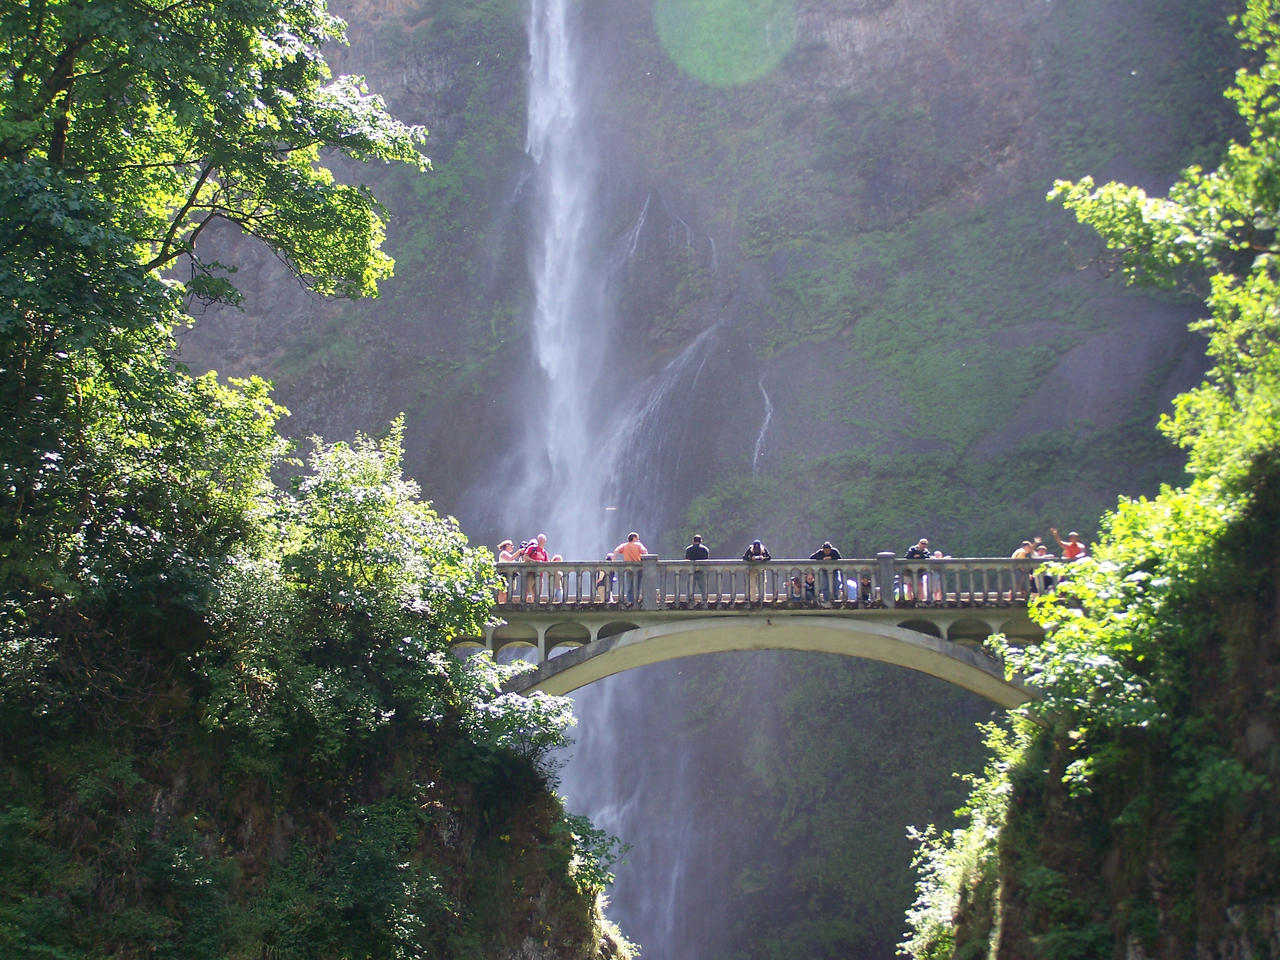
(631,551)
(920,551)
(755,555)
(695,552)
(826,554)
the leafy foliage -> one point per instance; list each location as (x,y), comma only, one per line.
(233,723)
(228,108)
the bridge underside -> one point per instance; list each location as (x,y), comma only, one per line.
(963,664)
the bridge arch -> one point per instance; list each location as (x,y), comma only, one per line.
(961,664)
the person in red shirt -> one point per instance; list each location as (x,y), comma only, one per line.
(536,551)
(1074,548)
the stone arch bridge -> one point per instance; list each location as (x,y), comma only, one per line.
(587,621)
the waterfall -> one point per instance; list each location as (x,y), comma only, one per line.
(584,428)
(583,415)
(764,428)
(561,478)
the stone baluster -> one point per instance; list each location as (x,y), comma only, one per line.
(649,571)
(888,594)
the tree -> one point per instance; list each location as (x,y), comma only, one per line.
(232,722)
(183,113)
(126,129)
(337,630)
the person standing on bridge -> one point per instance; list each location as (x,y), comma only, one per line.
(506,554)
(630,551)
(605,582)
(1074,548)
(1041,582)
(756,555)
(695,552)
(536,551)
(920,551)
(825,554)
(557,579)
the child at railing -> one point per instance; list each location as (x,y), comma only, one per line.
(557,595)
(604,583)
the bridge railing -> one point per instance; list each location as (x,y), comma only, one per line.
(880,581)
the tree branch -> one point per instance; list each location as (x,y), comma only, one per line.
(166,254)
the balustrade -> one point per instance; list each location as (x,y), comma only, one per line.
(875,582)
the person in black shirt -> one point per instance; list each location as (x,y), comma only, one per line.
(920,551)
(694,552)
(826,553)
(756,554)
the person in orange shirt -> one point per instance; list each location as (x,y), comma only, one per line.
(631,551)
(1074,548)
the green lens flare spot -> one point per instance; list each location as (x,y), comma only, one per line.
(726,42)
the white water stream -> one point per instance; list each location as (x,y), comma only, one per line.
(584,429)
(562,478)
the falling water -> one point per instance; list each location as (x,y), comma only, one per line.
(582,429)
(582,422)
(764,428)
(558,475)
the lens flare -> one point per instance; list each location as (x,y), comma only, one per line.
(726,42)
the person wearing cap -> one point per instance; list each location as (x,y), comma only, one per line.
(825,554)
(694,552)
(535,551)
(506,554)
(1074,548)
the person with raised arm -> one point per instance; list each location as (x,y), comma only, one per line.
(1074,548)
(535,551)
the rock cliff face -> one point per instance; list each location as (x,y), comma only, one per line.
(868,214)
(902,338)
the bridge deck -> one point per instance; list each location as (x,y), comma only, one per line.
(853,584)
(586,621)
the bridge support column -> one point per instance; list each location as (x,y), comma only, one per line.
(888,592)
(651,585)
